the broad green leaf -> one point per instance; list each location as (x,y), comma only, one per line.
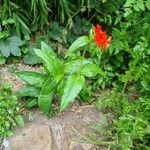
(56,32)
(32,78)
(19,120)
(49,85)
(31,102)
(45,102)
(15,40)
(75,66)
(91,70)
(74,85)
(29,90)
(10,45)
(46,94)
(80,42)
(4,48)
(48,59)
(60,87)
(44,46)
(53,65)
(31,58)
(15,50)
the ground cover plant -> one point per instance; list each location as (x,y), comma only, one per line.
(10,116)
(9,45)
(129,128)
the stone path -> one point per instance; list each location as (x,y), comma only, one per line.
(57,133)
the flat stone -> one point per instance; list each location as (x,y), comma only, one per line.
(32,137)
(58,133)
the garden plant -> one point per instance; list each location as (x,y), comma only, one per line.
(10,116)
(95,51)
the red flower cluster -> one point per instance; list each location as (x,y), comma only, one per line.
(101,39)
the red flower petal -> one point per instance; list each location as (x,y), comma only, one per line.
(101,39)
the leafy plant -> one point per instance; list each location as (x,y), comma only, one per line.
(29,56)
(80,26)
(126,64)
(9,45)
(18,16)
(65,78)
(130,123)
(10,116)
(14,17)
(34,15)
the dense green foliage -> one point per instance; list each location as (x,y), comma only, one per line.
(31,15)
(130,126)
(9,112)
(127,68)
(126,62)
(66,78)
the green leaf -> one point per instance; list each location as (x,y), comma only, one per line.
(23,27)
(91,70)
(86,94)
(129,3)
(45,102)
(32,78)
(60,87)
(84,66)
(46,94)
(31,102)
(8,21)
(56,32)
(44,46)
(29,90)
(4,48)
(53,65)
(14,40)
(75,66)
(80,42)
(31,58)
(49,85)
(2,60)
(74,85)
(19,120)
(15,50)
(48,59)
(10,45)
(4,34)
